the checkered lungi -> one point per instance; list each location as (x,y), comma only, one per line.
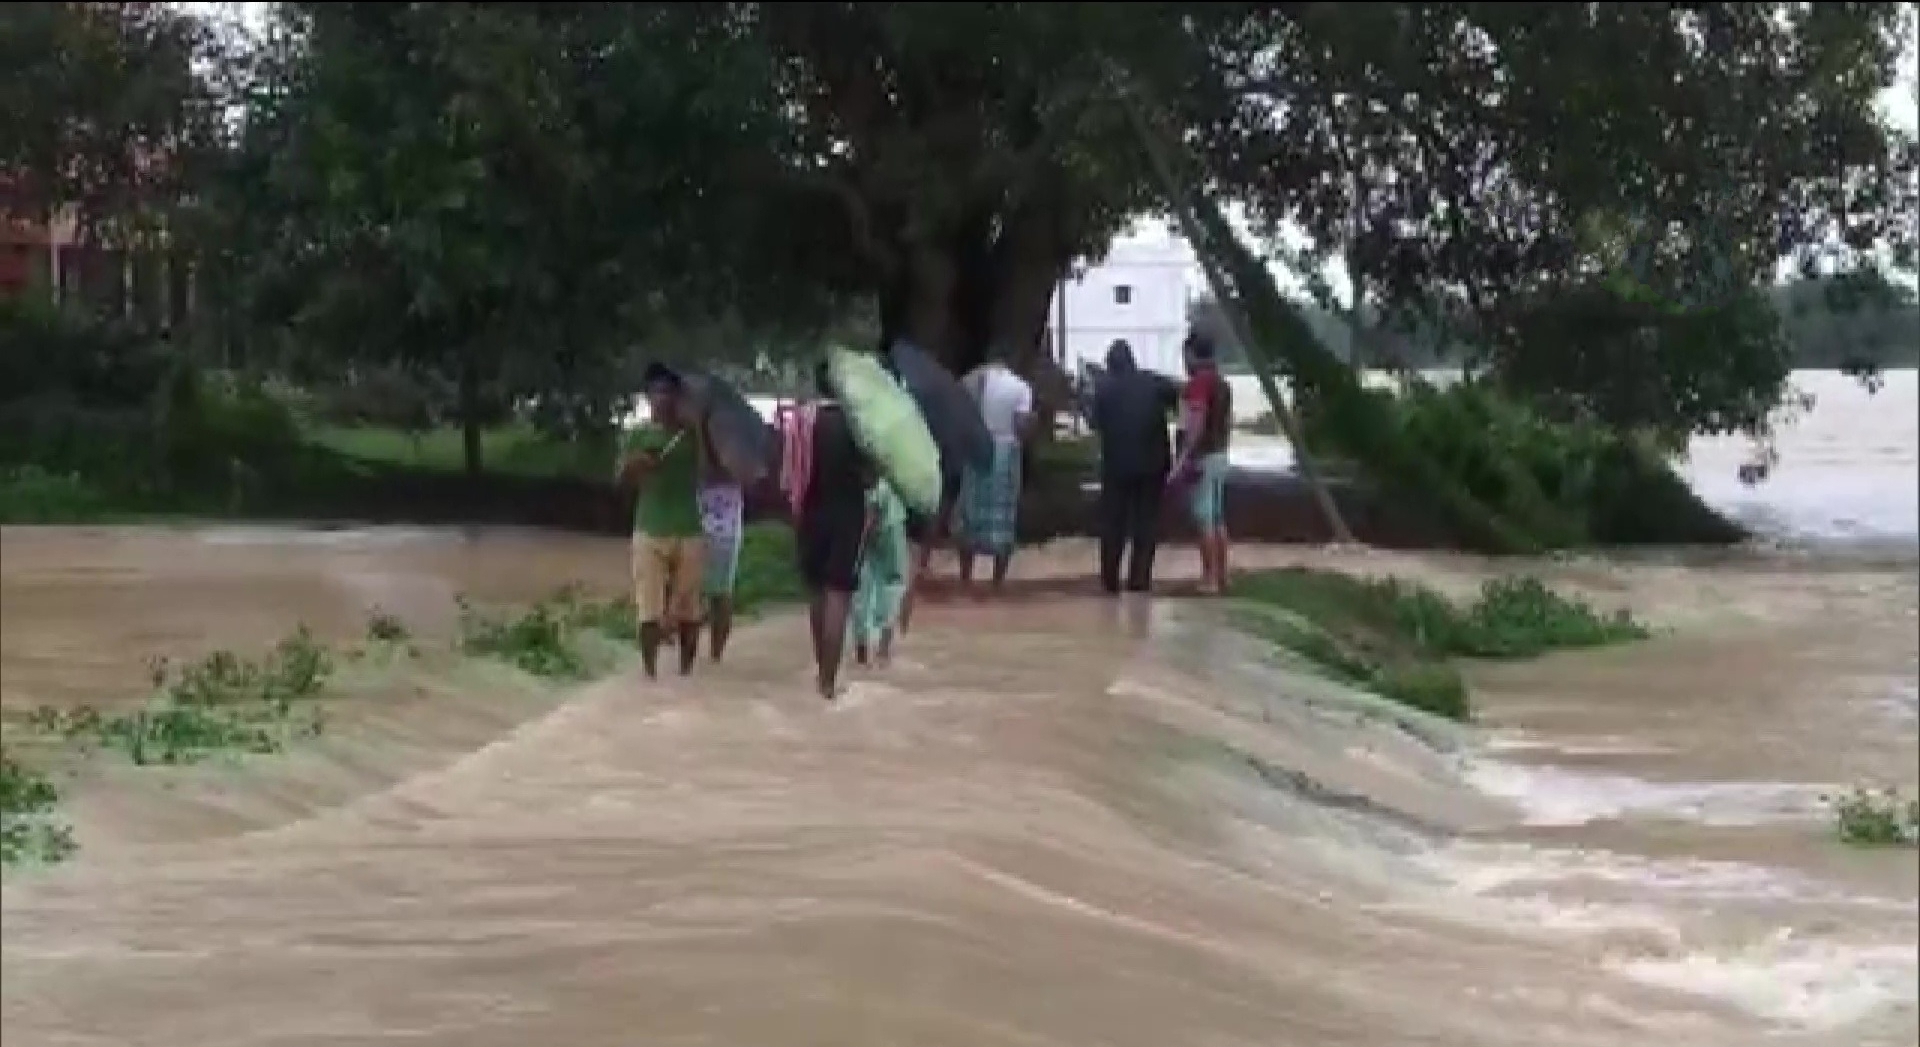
(990,501)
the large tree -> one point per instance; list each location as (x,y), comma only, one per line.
(514,190)
(102,110)
(1593,197)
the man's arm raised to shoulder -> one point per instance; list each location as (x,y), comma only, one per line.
(639,461)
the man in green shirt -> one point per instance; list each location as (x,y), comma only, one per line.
(669,547)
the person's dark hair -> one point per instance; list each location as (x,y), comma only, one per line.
(660,376)
(1120,356)
(1199,345)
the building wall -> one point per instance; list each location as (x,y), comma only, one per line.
(1138,293)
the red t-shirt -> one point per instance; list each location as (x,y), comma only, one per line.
(1206,411)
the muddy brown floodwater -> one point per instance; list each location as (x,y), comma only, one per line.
(1053,821)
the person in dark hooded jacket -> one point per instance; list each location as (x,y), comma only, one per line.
(1131,412)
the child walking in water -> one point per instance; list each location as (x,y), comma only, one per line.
(883,577)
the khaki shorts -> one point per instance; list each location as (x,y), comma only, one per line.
(666,578)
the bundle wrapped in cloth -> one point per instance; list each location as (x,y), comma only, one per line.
(889,427)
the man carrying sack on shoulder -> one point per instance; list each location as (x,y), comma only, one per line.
(669,545)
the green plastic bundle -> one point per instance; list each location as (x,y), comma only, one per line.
(889,427)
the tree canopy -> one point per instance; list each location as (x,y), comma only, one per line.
(517,198)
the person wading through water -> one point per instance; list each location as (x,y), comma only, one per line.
(1130,413)
(664,459)
(1206,426)
(924,534)
(722,521)
(990,497)
(832,529)
(886,566)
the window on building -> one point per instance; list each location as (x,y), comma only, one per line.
(1122,294)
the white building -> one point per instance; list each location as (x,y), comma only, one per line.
(1138,294)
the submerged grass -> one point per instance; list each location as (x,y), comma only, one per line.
(221,703)
(1876,818)
(29,830)
(1398,638)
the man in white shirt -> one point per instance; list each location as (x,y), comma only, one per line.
(990,497)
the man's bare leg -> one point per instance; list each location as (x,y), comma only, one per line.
(719,624)
(689,633)
(650,648)
(831,643)
(1205,542)
(1002,563)
(922,562)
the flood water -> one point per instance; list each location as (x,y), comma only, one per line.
(1055,821)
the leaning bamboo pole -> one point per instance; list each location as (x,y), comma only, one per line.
(1180,197)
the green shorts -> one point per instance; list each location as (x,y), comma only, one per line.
(1208,499)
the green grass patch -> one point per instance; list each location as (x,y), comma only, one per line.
(29,831)
(32,495)
(1398,639)
(1876,818)
(512,450)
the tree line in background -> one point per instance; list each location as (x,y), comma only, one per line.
(1829,324)
(462,212)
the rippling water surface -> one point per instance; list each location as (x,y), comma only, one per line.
(1054,821)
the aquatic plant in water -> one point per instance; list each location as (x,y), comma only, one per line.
(539,641)
(221,703)
(28,831)
(1876,817)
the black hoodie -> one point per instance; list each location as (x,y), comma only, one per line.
(1131,411)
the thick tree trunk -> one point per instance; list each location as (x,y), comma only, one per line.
(977,295)
(470,421)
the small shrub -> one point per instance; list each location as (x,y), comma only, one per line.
(1876,818)
(385,628)
(539,641)
(615,618)
(221,703)
(27,829)
(1520,617)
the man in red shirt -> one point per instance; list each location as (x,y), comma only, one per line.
(1206,426)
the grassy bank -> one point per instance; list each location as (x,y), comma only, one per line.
(508,450)
(1400,640)
(229,705)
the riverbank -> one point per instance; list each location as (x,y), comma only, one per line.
(1181,829)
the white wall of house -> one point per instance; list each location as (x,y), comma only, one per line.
(1137,293)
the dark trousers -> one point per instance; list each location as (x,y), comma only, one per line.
(1129,515)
